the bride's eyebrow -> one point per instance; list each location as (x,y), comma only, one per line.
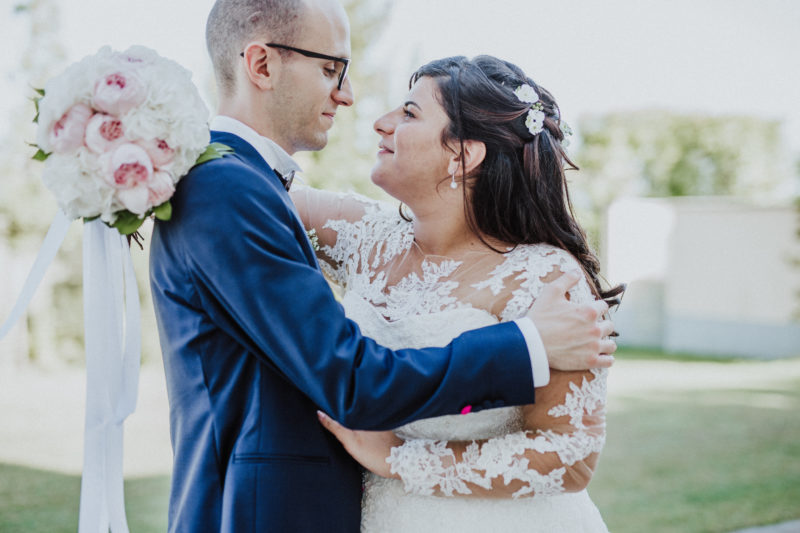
(411,102)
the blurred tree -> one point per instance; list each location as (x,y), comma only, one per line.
(53,327)
(658,153)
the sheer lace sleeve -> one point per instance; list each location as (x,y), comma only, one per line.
(324,214)
(557,448)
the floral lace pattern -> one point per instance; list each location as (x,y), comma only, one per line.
(366,256)
(403,298)
(419,462)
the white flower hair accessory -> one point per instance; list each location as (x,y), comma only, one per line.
(535,119)
(566,130)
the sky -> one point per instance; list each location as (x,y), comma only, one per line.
(706,56)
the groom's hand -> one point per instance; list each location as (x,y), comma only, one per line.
(573,335)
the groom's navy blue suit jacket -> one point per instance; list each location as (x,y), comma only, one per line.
(254,343)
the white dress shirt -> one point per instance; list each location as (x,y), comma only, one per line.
(277,158)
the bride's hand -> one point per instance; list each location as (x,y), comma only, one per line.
(370,448)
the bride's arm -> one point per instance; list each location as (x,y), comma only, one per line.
(316,207)
(555,452)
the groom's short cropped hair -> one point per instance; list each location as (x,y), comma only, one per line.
(234,23)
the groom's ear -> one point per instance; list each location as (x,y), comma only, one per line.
(260,64)
(474,154)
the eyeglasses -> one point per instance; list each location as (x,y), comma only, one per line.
(345,61)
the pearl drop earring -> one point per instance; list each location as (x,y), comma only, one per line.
(453,184)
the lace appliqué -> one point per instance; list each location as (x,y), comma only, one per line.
(363,246)
(364,251)
(531,264)
(426,465)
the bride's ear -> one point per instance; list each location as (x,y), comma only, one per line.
(474,154)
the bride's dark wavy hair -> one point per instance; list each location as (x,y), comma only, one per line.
(518,194)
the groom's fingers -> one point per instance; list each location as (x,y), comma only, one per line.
(556,289)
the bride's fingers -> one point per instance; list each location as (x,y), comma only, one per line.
(331,425)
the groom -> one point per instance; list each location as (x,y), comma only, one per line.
(253,340)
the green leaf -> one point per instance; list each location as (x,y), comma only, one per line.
(163,211)
(40,155)
(127,222)
(89,219)
(213,151)
(35,100)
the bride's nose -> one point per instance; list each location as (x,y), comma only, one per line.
(384,125)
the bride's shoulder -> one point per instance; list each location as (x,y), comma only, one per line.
(541,259)
(529,267)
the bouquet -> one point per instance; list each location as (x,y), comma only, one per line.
(117,130)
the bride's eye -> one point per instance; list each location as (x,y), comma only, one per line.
(407,113)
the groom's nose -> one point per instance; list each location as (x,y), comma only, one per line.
(344,96)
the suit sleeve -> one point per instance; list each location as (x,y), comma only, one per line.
(256,278)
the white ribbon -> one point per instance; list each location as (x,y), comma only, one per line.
(113,349)
(50,246)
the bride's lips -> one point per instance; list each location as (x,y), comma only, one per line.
(383,150)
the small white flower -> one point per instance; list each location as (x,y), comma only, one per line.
(535,121)
(567,131)
(526,94)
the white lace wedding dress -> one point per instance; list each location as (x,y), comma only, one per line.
(527,469)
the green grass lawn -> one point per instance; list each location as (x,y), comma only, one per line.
(33,501)
(699,461)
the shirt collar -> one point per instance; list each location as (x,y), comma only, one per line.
(275,156)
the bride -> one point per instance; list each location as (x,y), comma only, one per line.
(476,154)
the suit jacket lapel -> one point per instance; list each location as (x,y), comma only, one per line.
(247,153)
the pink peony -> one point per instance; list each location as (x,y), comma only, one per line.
(159,151)
(68,131)
(130,171)
(118,93)
(104,133)
(161,188)
(129,167)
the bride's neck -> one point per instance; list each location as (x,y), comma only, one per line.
(445,232)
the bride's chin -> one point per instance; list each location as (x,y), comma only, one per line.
(386,187)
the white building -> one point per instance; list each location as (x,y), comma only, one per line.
(717,276)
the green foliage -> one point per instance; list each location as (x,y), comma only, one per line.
(127,223)
(163,211)
(680,155)
(213,151)
(40,155)
(658,153)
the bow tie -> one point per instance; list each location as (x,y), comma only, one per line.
(287,179)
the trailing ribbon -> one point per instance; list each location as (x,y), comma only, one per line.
(113,347)
(112,332)
(50,246)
